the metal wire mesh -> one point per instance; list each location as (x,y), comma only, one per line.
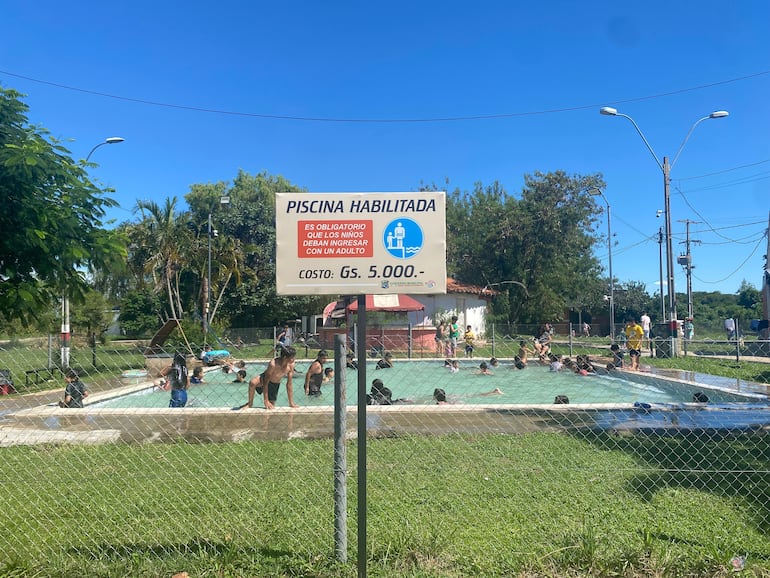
(126,477)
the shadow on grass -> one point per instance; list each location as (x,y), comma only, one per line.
(200,547)
(734,465)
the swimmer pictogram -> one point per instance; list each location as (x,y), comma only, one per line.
(403,238)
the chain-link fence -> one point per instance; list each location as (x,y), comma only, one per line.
(507,453)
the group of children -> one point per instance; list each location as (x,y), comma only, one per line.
(448,336)
(175,377)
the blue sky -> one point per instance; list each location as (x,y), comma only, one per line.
(538,71)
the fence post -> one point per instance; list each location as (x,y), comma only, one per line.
(340,452)
(361,349)
(409,341)
(50,351)
(493,340)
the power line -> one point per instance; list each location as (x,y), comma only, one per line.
(747,240)
(740,181)
(723,171)
(382,120)
(737,268)
(705,220)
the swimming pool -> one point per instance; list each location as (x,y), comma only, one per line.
(416,380)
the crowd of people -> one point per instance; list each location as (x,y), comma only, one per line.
(176,379)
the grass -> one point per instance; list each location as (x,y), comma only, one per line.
(465,505)
(102,366)
(484,505)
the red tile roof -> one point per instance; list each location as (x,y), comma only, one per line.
(454,286)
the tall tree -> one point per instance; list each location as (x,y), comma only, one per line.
(54,232)
(537,250)
(170,240)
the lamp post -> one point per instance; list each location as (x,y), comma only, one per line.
(597,192)
(665,167)
(223,200)
(65,302)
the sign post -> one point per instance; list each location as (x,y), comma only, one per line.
(360,243)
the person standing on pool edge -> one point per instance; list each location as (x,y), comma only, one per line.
(269,381)
(179,380)
(634,340)
(454,335)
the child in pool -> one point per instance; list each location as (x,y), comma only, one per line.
(197,376)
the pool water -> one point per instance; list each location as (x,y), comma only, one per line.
(416,380)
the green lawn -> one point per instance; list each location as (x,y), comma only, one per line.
(488,505)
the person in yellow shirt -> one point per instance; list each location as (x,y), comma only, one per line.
(470,338)
(634,339)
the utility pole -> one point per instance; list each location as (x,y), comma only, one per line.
(662,298)
(765,332)
(686,262)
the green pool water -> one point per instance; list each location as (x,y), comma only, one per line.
(416,380)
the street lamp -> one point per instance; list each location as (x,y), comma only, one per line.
(223,200)
(109,140)
(597,192)
(666,168)
(65,302)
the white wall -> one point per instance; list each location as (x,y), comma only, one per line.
(469,309)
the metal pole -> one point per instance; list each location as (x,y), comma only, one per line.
(65,333)
(493,340)
(687,262)
(612,279)
(340,452)
(361,351)
(662,297)
(689,274)
(207,297)
(669,250)
(65,325)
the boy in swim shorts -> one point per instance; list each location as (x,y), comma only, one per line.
(268,383)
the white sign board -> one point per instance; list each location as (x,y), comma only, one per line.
(360,243)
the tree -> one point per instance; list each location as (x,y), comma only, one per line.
(169,242)
(54,231)
(537,250)
(140,313)
(250,219)
(750,298)
(631,300)
(95,318)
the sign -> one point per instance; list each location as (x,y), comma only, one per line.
(356,243)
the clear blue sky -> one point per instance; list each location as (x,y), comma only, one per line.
(540,70)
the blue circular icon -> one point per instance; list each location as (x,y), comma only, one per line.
(402,238)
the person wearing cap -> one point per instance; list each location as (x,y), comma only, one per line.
(75,390)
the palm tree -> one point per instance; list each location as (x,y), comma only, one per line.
(169,240)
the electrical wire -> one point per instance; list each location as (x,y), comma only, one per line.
(382,120)
(703,219)
(723,171)
(741,181)
(747,240)
(737,268)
